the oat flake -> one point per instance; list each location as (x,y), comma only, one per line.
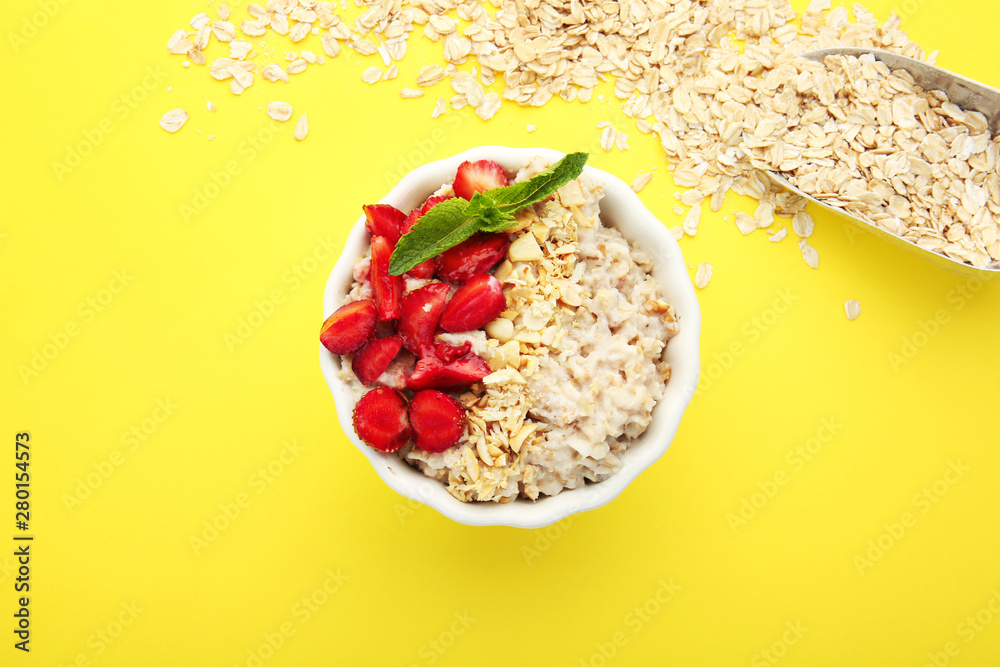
(301,128)
(174,120)
(703,276)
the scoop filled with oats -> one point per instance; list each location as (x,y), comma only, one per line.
(860,135)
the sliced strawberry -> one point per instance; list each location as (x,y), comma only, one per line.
(437,419)
(420,311)
(384,220)
(423,270)
(446,353)
(477,254)
(371,361)
(415,214)
(380,419)
(431,373)
(349,327)
(478,176)
(475,303)
(388,289)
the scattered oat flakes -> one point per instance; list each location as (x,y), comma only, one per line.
(764,215)
(298,66)
(179,43)
(301,128)
(430,75)
(530,128)
(691,221)
(274,72)
(852,309)
(279,111)
(677,233)
(777,236)
(621,141)
(703,276)
(489,106)
(330,44)
(607,138)
(224,31)
(809,254)
(239,49)
(210,106)
(173,120)
(439,108)
(372,74)
(745,223)
(641,180)
(802,225)
(409,93)
(390,73)
(678,209)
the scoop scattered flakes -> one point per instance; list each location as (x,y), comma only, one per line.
(809,254)
(301,128)
(280,111)
(703,276)
(641,181)
(802,225)
(691,221)
(174,120)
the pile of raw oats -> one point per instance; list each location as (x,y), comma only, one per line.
(882,148)
(706,76)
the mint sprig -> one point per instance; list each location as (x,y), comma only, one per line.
(454,220)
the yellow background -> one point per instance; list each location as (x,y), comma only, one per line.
(662,575)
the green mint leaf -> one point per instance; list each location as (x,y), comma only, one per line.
(454,220)
(446,225)
(491,218)
(513,198)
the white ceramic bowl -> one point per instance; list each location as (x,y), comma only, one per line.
(620,207)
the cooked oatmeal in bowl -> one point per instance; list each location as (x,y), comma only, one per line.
(560,366)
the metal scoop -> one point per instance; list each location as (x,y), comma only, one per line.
(968,94)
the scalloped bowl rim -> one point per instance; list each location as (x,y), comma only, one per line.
(621,207)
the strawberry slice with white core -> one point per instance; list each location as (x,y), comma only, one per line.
(371,361)
(416,213)
(477,254)
(420,311)
(437,420)
(431,373)
(475,303)
(349,327)
(388,289)
(384,220)
(478,176)
(381,421)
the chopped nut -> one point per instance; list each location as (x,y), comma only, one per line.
(501,329)
(524,249)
